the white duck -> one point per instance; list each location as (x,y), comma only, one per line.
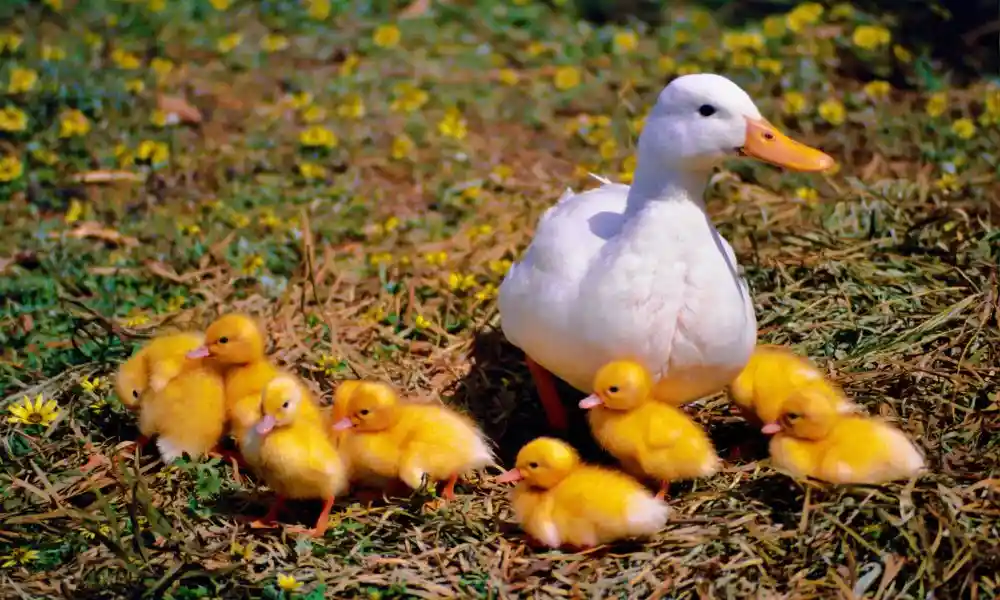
(640,272)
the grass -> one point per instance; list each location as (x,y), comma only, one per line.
(376,252)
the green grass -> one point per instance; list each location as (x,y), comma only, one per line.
(887,278)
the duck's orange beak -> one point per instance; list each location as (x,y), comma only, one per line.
(265,425)
(590,401)
(511,476)
(764,142)
(770,429)
(200,352)
(343,424)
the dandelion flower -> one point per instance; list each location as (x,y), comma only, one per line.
(162,67)
(274,42)
(666,65)
(870,37)
(409,98)
(22,80)
(488,292)
(770,65)
(803,15)
(52,53)
(453,124)
(353,107)
(311,171)
(948,183)
(227,43)
(91,386)
(13,119)
(73,123)
(380,258)
(402,147)
(964,128)
(624,42)
(349,65)
(608,149)
(566,78)
(74,212)
(164,119)
(252,264)
(125,60)
(459,283)
(329,364)
(807,194)
(314,114)
(192,229)
(499,267)
(153,152)
(18,557)
(45,156)
(220,5)
(878,89)
(10,168)
(318,137)
(9,42)
(832,111)
(135,86)
(502,172)
(742,59)
(136,320)
(737,40)
(937,103)
(156,6)
(288,583)
(318,10)
(436,259)
(386,36)
(39,412)
(421,322)
(774,27)
(508,77)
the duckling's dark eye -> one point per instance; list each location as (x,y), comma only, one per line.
(365,412)
(223,340)
(135,393)
(533,465)
(706,110)
(613,389)
(285,405)
(793,416)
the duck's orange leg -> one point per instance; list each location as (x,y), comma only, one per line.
(545,383)
(272,514)
(664,492)
(448,493)
(324,518)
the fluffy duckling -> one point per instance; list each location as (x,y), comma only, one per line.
(650,438)
(180,400)
(394,440)
(813,439)
(563,502)
(771,376)
(297,458)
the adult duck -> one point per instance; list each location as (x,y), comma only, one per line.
(640,272)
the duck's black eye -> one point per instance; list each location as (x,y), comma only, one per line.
(613,389)
(364,411)
(223,340)
(533,465)
(706,110)
(793,416)
(135,393)
(285,405)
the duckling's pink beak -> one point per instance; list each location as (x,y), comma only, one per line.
(265,425)
(200,352)
(590,401)
(770,429)
(764,142)
(343,424)
(511,476)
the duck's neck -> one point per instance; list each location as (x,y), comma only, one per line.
(653,185)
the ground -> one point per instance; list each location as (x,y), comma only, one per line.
(361,181)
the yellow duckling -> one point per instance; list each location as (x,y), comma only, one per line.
(390,439)
(771,376)
(563,502)
(297,458)
(650,438)
(813,439)
(180,400)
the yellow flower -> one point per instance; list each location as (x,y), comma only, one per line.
(56,5)
(135,86)
(252,264)
(313,114)
(349,65)
(566,78)
(10,168)
(701,19)
(192,229)
(13,119)
(161,66)
(502,173)
(402,146)
(353,107)
(737,40)
(74,212)
(436,259)
(94,41)
(832,111)
(452,125)
(877,89)
(902,54)
(624,42)
(162,119)
(300,100)
(386,36)
(421,322)
(329,364)
(268,219)
(807,195)
(73,123)
(274,42)
(508,77)
(409,98)
(770,65)
(380,258)
(870,37)
(45,156)
(152,151)
(682,37)
(472,192)
(22,80)
(688,69)
(124,156)
(535,48)
(318,10)
(666,65)
(310,170)
(608,149)
(156,6)
(52,53)
(479,230)
(742,59)
(318,136)
(992,103)
(227,43)
(802,15)
(41,412)
(136,320)
(19,556)
(948,182)
(288,583)
(964,128)
(220,5)
(488,292)
(937,103)
(125,60)
(91,385)
(9,42)
(459,283)
(628,169)
(774,27)
(391,224)
(499,267)
(842,11)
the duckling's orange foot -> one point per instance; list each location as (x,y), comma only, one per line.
(545,383)
(664,492)
(263,524)
(448,493)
